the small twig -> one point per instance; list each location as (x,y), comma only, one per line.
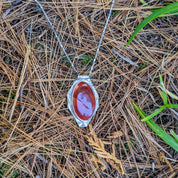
(30,35)
(44,160)
(44,97)
(162,64)
(7,12)
(124,58)
(21,93)
(11,7)
(16,2)
(176,113)
(174,160)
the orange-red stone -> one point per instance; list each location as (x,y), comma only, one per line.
(83,101)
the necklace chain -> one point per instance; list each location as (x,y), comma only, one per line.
(99,45)
(101,39)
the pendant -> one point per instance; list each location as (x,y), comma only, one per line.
(83,100)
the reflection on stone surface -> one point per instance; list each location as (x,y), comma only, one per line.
(83,101)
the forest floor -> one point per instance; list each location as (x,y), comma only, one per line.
(39,137)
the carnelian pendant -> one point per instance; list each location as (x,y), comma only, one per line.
(83,100)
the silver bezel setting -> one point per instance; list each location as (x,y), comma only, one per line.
(86,79)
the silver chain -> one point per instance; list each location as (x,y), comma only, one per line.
(99,45)
(102,35)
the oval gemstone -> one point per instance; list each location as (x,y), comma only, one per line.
(83,101)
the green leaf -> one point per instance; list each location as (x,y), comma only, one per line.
(172,106)
(154,114)
(160,132)
(164,95)
(173,7)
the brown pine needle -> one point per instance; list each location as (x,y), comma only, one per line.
(20,81)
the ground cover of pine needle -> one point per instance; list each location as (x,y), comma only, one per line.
(38,135)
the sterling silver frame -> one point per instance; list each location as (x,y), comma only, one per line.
(86,79)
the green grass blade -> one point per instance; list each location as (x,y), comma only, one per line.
(167,9)
(172,106)
(160,132)
(174,135)
(163,93)
(140,112)
(154,114)
(170,94)
(171,13)
(144,3)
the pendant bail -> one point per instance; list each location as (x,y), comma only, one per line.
(83,100)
